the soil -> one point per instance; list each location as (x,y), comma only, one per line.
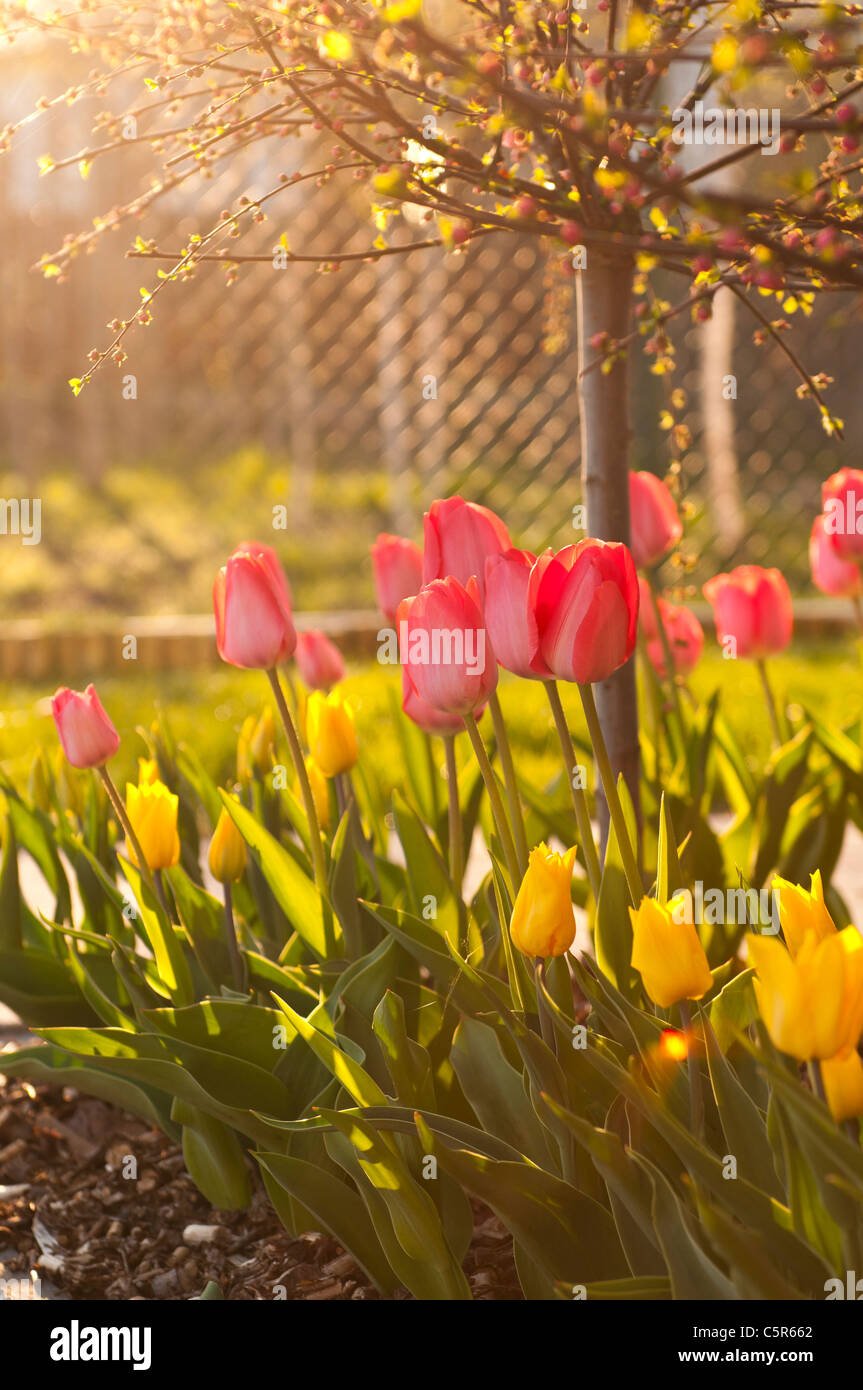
(69,1217)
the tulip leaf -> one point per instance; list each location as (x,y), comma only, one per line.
(215,1160)
(173,971)
(35,833)
(37,986)
(294,891)
(693,1274)
(644,1288)
(348,1072)
(612,926)
(56,1067)
(337,1207)
(223,1086)
(408,1064)
(245,1031)
(406,1219)
(10,892)
(427,873)
(669,877)
(496,1090)
(568,1235)
(743,1125)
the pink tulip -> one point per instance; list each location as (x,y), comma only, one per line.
(509,616)
(585,600)
(86,733)
(318,660)
(444,646)
(842,504)
(431,721)
(830,573)
(252,604)
(751,608)
(398,571)
(685,639)
(654,523)
(458,536)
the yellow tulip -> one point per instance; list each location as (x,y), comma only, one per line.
(667,953)
(802,910)
(255,744)
(843,1085)
(330,731)
(320,793)
(148,771)
(811,1003)
(227,856)
(152,810)
(543,922)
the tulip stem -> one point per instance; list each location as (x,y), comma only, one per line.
(456,838)
(666,650)
(120,810)
(817,1080)
(770,701)
(579,797)
(494,797)
(615,809)
(510,782)
(160,893)
(696,1099)
(238,965)
(858,612)
(545,1024)
(317,848)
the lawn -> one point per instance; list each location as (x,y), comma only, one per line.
(208,707)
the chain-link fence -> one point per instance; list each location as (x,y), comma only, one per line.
(361,394)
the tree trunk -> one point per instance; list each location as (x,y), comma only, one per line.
(604,305)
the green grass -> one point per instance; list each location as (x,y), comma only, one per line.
(207,707)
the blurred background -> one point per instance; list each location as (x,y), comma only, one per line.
(312,391)
(350,399)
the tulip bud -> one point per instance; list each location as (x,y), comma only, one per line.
(445,649)
(86,733)
(543,921)
(654,524)
(802,910)
(585,599)
(842,504)
(398,572)
(509,616)
(251,601)
(830,573)
(227,856)
(752,609)
(667,953)
(330,732)
(320,793)
(318,660)
(431,721)
(152,811)
(457,538)
(683,631)
(811,1003)
(843,1086)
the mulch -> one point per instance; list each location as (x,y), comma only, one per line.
(69,1217)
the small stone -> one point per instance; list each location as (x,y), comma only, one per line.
(201,1235)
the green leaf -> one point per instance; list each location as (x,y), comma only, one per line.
(338,1209)
(742,1122)
(496,1090)
(293,890)
(429,1266)
(214,1158)
(37,986)
(612,928)
(164,942)
(565,1233)
(56,1067)
(693,1274)
(347,1072)
(10,893)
